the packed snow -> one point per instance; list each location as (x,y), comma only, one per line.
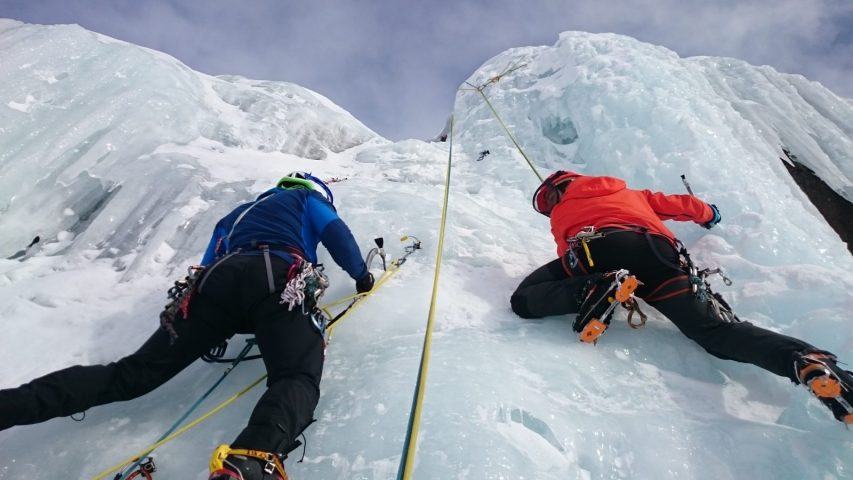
(121,159)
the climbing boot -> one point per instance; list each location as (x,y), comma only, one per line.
(230,464)
(598,301)
(833,386)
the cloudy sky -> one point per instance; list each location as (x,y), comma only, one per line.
(396,64)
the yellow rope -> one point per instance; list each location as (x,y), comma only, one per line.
(344,300)
(479,89)
(382,279)
(378,282)
(178,432)
(506,71)
(509,134)
(395,265)
(410,447)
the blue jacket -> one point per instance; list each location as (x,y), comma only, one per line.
(288,220)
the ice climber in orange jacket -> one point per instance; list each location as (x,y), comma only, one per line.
(613,246)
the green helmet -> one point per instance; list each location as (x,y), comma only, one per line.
(306,180)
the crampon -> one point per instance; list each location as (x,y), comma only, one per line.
(240,464)
(833,386)
(600,299)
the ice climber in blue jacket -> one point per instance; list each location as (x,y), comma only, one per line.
(259,276)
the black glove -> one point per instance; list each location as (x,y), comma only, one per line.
(710,223)
(364,284)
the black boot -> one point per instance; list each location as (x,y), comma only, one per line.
(240,467)
(832,385)
(598,301)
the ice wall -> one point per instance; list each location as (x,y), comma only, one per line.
(506,397)
(82,116)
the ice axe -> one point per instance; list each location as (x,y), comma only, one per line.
(377,250)
(684,180)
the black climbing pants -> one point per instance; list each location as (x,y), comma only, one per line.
(235,297)
(553,289)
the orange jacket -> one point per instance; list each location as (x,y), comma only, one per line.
(606,202)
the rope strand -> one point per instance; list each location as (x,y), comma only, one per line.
(493,80)
(410,447)
(177,433)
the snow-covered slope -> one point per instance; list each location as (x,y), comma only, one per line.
(84,122)
(122,159)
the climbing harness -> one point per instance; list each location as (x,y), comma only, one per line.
(702,289)
(698,279)
(137,459)
(322,316)
(179,296)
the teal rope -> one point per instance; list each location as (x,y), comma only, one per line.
(410,446)
(249,344)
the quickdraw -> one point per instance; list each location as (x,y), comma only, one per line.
(180,295)
(702,289)
(582,238)
(306,284)
(699,283)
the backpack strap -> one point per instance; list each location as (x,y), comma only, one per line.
(240,218)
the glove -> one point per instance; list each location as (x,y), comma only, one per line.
(364,284)
(710,223)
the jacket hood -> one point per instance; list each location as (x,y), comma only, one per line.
(587,187)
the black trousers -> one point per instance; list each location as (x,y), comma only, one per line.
(235,298)
(553,289)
